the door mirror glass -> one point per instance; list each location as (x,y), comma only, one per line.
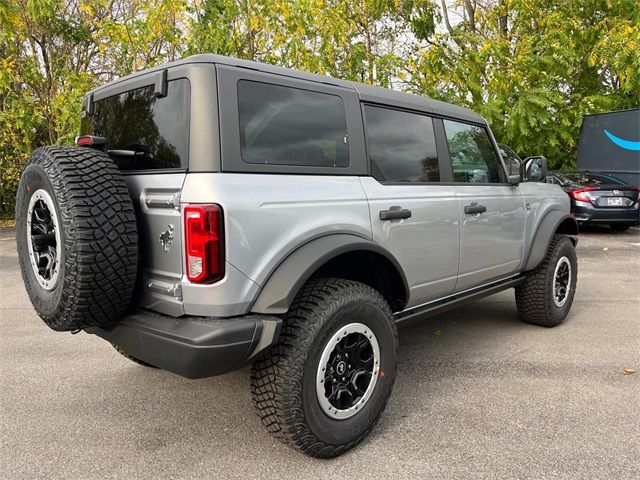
(534,168)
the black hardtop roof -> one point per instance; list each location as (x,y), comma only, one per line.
(367,93)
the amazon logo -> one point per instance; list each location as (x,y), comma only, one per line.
(622,143)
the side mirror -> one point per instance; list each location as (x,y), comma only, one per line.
(534,169)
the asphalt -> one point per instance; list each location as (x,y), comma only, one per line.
(478,395)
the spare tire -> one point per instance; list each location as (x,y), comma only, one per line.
(77,237)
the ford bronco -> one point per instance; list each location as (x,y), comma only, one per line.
(216,213)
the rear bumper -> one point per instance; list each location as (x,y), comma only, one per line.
(586,213)
(193,347)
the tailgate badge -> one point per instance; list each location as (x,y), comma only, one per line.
(616,192)
(166,238)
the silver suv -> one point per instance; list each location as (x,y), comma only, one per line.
(218,212)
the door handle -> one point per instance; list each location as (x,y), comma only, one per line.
(395,213)
(475,207)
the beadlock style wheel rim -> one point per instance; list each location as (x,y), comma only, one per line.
(561,281)
(43,239)
(348,371)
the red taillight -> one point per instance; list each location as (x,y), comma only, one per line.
(204,237)
(638,199)
(581,195)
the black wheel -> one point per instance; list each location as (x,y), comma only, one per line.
(133,359)
(546,296)
(325,384)
(619,227)
(76,237)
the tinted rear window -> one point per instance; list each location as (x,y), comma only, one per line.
(402,146)
(143,131)
(590,180)
(291,126)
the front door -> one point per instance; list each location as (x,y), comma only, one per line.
(492,212)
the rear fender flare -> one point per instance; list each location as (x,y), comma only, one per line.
(288,278)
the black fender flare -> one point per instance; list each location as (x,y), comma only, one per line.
(288,278)
(553,222)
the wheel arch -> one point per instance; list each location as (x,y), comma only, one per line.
(338,255)
(553,223)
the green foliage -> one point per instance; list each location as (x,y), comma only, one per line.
(533,68)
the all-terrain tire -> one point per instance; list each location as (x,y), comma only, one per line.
(535,297)
(122,352)
(283,383)
(95,240)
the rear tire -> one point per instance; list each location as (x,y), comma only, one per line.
(76,237)
(332,323)
(546,296)
(619,227)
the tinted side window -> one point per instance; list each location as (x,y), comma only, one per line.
(145,131)
(472,155)
(402,146)
(291,126)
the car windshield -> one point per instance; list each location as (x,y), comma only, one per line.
(590,180)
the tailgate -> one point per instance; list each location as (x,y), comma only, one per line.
(156,199)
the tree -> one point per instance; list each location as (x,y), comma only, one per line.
(53,51)
(534,68)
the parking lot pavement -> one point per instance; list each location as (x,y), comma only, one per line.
(478,394)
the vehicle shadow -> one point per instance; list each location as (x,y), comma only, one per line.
(606,230)
(156,409)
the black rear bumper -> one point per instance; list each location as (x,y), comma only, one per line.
(588,214)
(190,346)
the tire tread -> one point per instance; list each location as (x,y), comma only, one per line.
(276,379)
(100,237)
(532,297)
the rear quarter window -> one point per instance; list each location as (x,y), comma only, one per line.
(291,126)
(144,132)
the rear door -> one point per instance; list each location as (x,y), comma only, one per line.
(147,135)
(492,212)
(413,215)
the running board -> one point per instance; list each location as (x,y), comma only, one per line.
(420,312)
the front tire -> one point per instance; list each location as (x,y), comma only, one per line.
(546,296)
(325,384)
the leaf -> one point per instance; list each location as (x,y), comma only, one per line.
(628,371)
